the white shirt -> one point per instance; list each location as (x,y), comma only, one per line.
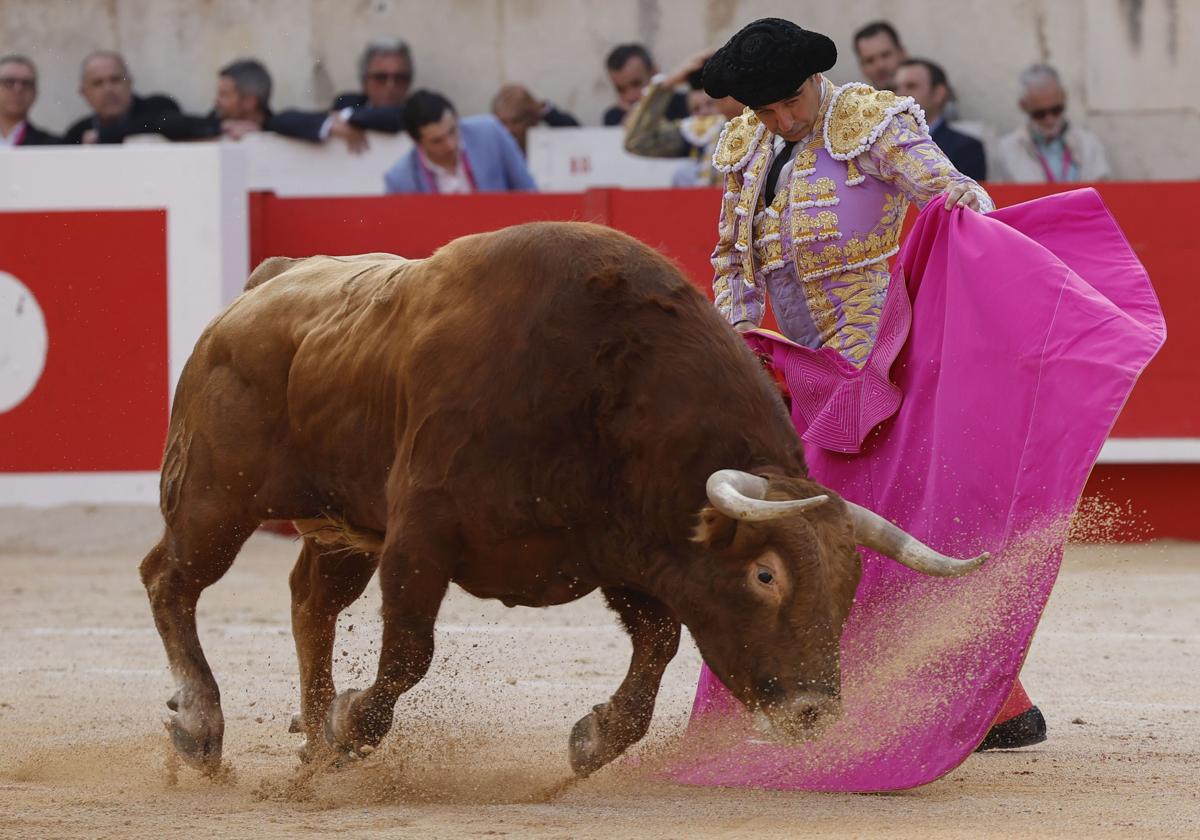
(10,139)
(449,181)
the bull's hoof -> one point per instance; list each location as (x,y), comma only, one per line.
(200,751)
(592,744)
(296,725)
(350,732)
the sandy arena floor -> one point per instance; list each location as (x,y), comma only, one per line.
(83,680)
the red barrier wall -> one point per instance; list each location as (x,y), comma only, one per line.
(682,223)
(105,305)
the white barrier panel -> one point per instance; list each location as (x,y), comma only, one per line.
(560,160)
(574,159)
(289,167)
(201,189)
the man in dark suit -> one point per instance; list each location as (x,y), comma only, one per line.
(926,82)
(630,69)
(385,70)
(18,90)
(241,106)
(116,110)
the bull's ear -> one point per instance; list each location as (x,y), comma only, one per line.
(715,530)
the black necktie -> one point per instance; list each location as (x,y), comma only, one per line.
(781,159)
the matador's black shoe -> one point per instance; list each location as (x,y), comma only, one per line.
(1024,730)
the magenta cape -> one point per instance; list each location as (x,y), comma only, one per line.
(1008,344)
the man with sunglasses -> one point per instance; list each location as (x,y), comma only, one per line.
(385,70)
(18,90)
(1048,149)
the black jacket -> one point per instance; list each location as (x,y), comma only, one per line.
(964,151)
(677,109)
(179,126)
(306,125)
(558,119)
(144,114)
(35,136)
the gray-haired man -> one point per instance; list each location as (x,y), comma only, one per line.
(1048,149)
(385,71)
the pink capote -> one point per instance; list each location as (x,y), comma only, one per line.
(1007,346)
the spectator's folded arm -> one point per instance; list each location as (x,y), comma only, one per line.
(649,132)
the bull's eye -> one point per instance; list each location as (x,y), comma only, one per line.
(764,576)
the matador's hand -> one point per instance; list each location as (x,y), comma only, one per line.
(745,326)
(960,195)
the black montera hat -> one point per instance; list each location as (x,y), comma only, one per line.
(766,61)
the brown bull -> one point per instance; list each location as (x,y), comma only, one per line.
(531,414)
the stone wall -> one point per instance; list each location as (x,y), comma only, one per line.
(1129,65)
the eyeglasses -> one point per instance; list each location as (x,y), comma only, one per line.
(394,78)
(14,82)
(1052,111)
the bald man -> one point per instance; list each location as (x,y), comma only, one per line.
(107,86)
(519,110)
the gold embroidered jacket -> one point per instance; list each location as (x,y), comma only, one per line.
(821,247)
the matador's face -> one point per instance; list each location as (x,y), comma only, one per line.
(793,118)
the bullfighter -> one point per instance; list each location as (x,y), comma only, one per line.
(818,178)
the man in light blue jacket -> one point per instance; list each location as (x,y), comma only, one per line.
(449,155)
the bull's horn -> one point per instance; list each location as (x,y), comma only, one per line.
(875,532)
(739,495)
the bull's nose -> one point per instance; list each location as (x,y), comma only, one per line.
(802,716)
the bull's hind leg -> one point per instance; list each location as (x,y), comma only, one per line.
(188,559)
(324,582)
(612,727)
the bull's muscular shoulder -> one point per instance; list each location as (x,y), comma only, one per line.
(859,114)
(740,137)
(272,267)
(269,268)
(294,294)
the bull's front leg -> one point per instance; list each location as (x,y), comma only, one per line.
(612,727)
(412,593)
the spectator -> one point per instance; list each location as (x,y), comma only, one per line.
(650,133)
(242,106)
(926,82)
(880,53)
(385,71)
(630,68)
(18,90)
(475,154)
(520,111)
(1048,149)
(107,87)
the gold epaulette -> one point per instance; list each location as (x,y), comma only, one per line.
(739,138)
(700,130)
(859,113)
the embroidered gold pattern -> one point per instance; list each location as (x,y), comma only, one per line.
(860,294)
(820,192)
(805,162)
(737,141)
(856,115)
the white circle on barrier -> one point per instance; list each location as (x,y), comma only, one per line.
(23,342)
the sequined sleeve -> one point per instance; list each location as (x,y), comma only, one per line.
(736,298)
(905,155)
(649,132)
